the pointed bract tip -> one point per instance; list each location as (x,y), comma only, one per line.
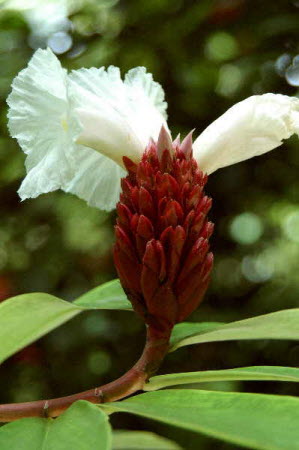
(186,145)
(164,142)
(129,164)
(151,143)
(177,141)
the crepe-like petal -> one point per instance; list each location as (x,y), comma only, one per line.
(250,128)
(37,116)
(97,179)
(118,117)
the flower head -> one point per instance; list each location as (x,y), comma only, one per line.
(162,233)
(84,131)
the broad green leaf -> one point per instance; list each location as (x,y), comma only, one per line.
(25,318)
(186,329)
(28,317)
(266,373)
(82,427)
(106,296)
(257,421)
(137,440)
(278,325)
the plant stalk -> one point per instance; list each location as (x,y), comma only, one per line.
(155,349)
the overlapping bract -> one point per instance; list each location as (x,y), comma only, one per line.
(162,233)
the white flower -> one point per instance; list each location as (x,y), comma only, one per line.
(56,118)
(76,128)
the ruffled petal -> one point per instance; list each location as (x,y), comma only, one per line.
(118,117)
(97,179)
(39,120)
(250,128)
(147,104)
(42,120)
(145,87)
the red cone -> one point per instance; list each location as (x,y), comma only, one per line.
(162,233)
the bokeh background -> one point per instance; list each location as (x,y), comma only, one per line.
(208,55)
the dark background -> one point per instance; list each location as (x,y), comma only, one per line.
(207,55)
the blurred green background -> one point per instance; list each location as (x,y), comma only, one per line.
(208,55)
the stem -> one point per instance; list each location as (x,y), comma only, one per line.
(155,349)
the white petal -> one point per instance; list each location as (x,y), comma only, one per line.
(37,116)
(41,119)
(109,134)
(144,86)
(118,118)
(97,179)
(250,128)
(147,104)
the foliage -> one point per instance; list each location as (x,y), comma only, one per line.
(82,426)
(251,420)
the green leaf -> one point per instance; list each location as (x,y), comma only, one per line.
(257,421)
(266,373)
(106,296)
(25,318)
(184,329)
(278,325)
(28,317)
(145,440)
(82,427)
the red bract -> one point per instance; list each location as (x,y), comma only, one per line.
(162,233)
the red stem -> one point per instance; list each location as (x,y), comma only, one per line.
(155,349)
